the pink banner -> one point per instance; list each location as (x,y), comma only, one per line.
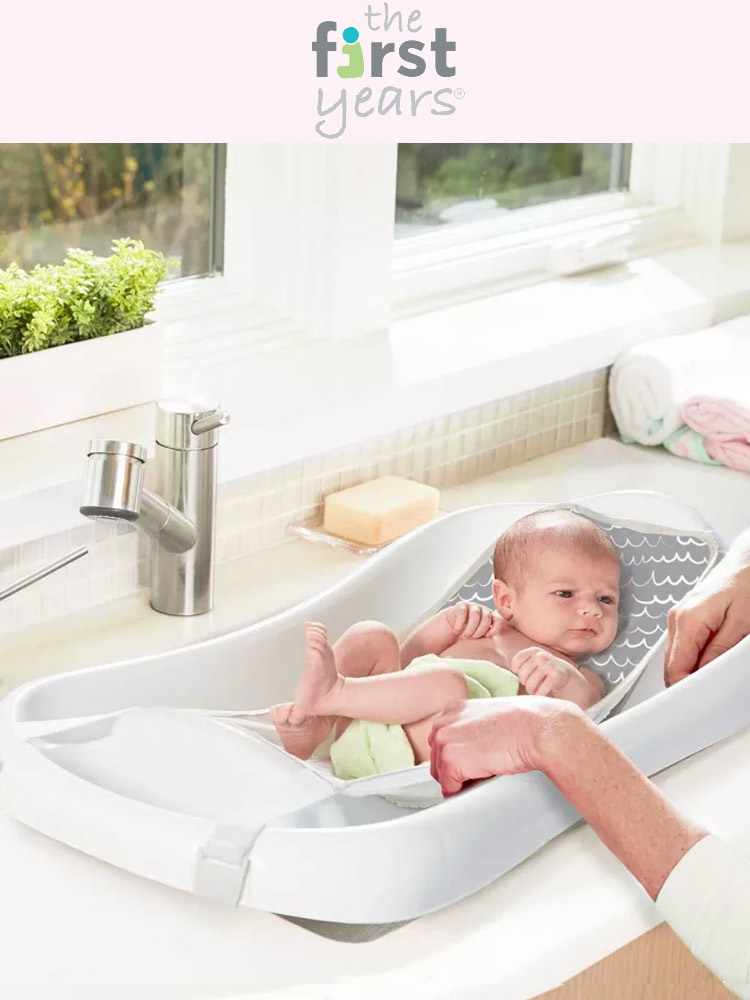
(283,70)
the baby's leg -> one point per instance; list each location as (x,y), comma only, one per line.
(393,697)
(417,734)
(365,649)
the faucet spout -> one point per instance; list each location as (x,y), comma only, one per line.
(179,515)
(114,491)
(167,524)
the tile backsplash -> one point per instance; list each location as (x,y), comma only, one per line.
(256,512)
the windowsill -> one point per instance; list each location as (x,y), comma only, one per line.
(435,270)
(314,396)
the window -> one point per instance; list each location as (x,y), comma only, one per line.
(296,263)
(440,184)
(57,195)
(290,247)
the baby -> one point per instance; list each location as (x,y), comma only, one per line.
(555,588)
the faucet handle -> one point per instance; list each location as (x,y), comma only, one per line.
(210,422)
(39,574)
(188,424)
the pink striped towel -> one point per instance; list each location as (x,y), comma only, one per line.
(722,418)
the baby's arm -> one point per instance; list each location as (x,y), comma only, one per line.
(584,687)
(596,682)
(545,674)
(468,621)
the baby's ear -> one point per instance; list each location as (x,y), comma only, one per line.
(502,594)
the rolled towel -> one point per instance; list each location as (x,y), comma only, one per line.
(687,443)
(720,413)
(734,454)
(650,384)
(721,417)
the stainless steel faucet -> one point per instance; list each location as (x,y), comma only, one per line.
(179,516)
(39,574)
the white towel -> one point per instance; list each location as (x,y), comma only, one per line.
(650,383)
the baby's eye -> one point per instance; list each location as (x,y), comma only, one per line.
(563,593)
(605,599)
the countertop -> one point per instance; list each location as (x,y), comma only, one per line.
(68,921)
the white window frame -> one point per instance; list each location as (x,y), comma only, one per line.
(310,252)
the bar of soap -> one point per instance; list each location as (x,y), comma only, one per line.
(379,511)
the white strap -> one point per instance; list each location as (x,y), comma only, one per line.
(222,863)
(24,731)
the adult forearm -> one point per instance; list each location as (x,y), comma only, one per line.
(627,811)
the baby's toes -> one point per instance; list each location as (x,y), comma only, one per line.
(296,716)
(280,713)
(315,630)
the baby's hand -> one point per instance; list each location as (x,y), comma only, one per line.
(541,673)
(472,621)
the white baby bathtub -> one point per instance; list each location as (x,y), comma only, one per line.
(144,765)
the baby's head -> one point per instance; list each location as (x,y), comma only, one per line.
(557,578)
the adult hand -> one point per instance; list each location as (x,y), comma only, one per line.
(708,622)
(484,737)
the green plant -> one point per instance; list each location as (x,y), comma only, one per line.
(82,298)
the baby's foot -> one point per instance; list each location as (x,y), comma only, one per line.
(302,724)
(320,680)
(301,738)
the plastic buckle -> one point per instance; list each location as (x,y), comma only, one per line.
(222,864)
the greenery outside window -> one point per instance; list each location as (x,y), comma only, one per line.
(440,184)
(296,266)
(59,195)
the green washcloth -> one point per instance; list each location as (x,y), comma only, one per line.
(366,748)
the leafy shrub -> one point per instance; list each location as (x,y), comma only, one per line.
(82,298)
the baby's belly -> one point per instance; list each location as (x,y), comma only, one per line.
(477,649)
(472,649)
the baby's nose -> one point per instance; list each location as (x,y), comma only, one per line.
(590,607)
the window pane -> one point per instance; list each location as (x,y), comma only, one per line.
(439,184)
(55,196)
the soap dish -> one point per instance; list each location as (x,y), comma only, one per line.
(313,531)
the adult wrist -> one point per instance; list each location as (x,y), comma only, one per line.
(556,731)
(739,575)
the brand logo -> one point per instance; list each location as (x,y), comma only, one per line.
(371,58)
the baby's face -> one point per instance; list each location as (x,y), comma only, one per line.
(568,602)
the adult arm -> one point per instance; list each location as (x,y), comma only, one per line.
(631,816)
(507,736)
(700,884)
(713,617)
